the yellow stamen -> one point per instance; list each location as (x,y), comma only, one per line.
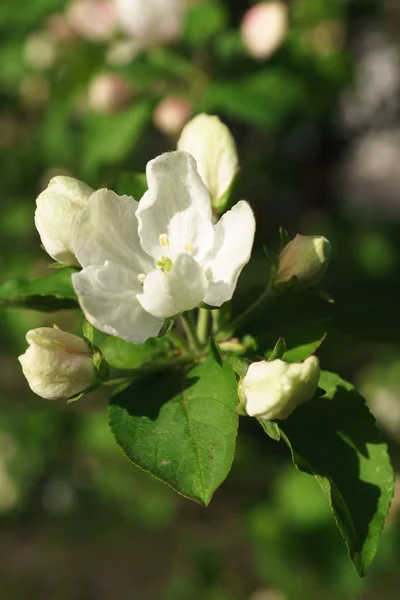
(163,239)
(141,277)
(188,247)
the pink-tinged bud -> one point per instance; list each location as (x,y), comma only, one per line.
(94,20)
(108,93)
(171,114)
(57,364)
(307,258)
(59,29)
(264,28)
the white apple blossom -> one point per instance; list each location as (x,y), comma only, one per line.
(56,209)
(57,364)
(211,143)
(272,390)
(149,261)
(151,22)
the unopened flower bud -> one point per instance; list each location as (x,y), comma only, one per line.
(94,20)
(56,209)
(212,145)
(108,93)
(307,258)
(272,390)
(171,114)
(264,28)
(57,364)
(153,21)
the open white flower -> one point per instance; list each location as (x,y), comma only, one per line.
(57,364)
(151,21)
(56,209)
(272,390)
(149,261)
(211,143)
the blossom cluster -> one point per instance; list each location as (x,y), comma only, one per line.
(140,262)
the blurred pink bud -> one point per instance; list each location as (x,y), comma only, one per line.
(94,20)
(264,28)
(108,93)
(171,114)
(59,29)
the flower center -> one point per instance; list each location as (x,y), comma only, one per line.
(165,264)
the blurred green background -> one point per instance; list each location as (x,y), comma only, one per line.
(317,123)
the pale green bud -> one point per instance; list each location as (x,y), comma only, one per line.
(307,258)
(56,210)
(272,390)
(212,145)
(57,364)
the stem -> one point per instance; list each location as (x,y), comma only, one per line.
(190,330)
(202,325)
(241,319)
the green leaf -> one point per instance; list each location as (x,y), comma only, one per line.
(112,137)
(271,428)
(204,21)
(335,438)
(181,427)
(53,292)
(131,184)
(279,350)
(124,355)
(266,98)
(302,319)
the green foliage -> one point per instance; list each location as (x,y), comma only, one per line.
(335,439)
(53,292)
(181,427)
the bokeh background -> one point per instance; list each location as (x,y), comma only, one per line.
(311,91)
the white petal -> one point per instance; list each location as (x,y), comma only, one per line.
(57,208)
(107,295)
(211,143)
(183,288)
(107,229)
(234,236)
(177,203)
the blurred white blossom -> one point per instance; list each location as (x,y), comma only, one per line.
(153,21)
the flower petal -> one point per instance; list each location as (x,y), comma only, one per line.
(234,236)
(107,230)
(177,203)
(57,207)
(183,288)
(107,295)
(211,143)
